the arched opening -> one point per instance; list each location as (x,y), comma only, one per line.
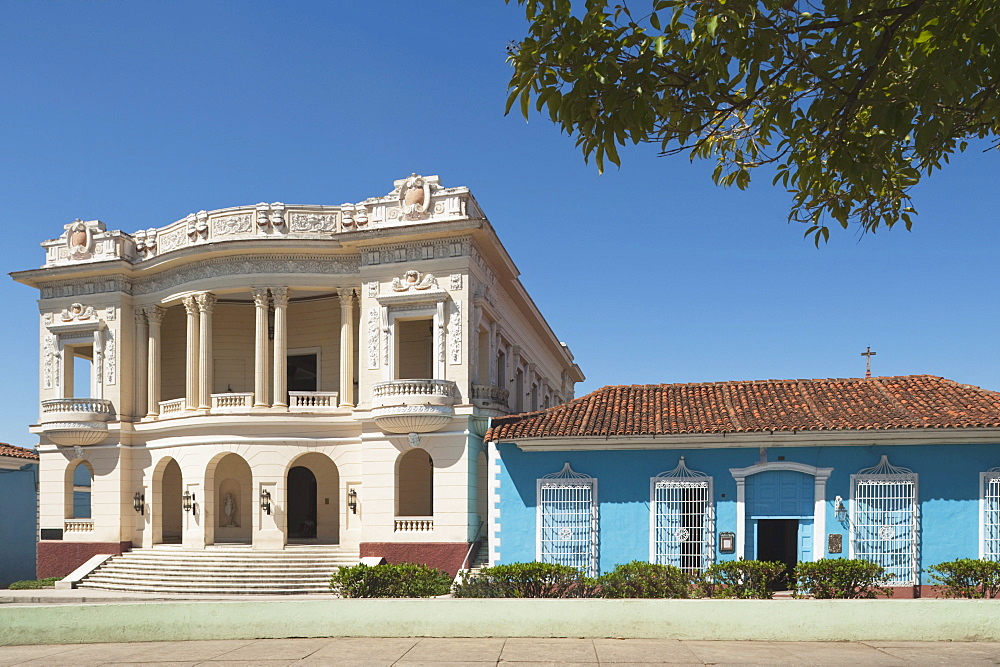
(232,484)
(79,480)
(301,503)
(312,500)
(415,484)
(168,512)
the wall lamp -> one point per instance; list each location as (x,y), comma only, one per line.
(139,502)
(352,501)
(839,511)
(187,501)
(265,500)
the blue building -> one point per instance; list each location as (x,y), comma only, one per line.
(18,513)
(902,471)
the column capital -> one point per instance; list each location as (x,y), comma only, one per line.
(260,296)
(346,296)
(206,301)
(191,304)
(280,296)
(155,314)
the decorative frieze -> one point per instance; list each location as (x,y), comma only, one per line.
(313,223)
(110,361)
(244,266)
(455,332)
(230,225)
(49,361)
(83,288)
(374,345)
(415,251)
(172,239)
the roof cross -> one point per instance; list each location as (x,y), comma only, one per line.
(868,354)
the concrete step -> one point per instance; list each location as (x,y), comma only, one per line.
(230,570)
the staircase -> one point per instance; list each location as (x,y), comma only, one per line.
(222,570)
(481,559)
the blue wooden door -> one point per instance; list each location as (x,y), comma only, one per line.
(805,540)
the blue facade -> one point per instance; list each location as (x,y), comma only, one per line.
(947,497)
(18,503)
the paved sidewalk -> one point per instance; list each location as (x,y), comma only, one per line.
(414,652)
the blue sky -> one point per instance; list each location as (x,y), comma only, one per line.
(140,113)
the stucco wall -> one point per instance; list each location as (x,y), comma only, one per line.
(17,524)
(948,491)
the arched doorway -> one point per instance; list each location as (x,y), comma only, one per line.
(232,484)
(312,500)
(415,484)
(167,509)
(301,503)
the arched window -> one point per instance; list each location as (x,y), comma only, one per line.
(884,519)
(567,520)
(682,531)
(415,484)
(80,478)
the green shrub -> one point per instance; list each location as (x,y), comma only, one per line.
(744,579)
(525,580)
(841,578)
(967,578)
(639,579)
(404,580)
(32,584)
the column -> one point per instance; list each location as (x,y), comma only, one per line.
(260,348)
(206,370)
(279,297)
(191,353)
(154,316)
(141,364)
(347,347)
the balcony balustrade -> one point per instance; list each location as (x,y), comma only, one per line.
(172,408)
(76,421)
(312,401)
(413,406)
(413,524)
(490,397)
(78,526)
(232,402)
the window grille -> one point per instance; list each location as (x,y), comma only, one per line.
(991,514)
(682,531)
(884,520)
(567,520)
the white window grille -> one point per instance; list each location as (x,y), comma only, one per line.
(682,520)
(884,519)
(990,482)
(567,520)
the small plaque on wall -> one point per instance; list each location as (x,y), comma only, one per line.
(51,533)
(835,543)
(727,543)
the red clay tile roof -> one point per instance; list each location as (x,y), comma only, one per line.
(17,452)
(881,403)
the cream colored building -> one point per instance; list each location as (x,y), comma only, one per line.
(278,374)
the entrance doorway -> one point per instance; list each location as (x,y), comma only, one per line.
(777,540)
(301,503)
(302,372)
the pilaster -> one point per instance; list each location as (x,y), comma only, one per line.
(260,302)
(347,347)
(154,316)
(206,304)
(279,299)
(191,353)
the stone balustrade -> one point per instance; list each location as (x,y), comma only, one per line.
(312,401)
(78,526)
(390,388)
(413,524)
(76,421)
(96,409)
(487,395)
(240,401)
(172,408)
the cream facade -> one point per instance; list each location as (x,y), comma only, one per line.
(277,374)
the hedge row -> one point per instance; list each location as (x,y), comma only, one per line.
(744,579)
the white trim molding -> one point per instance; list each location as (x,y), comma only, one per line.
(493,510)
(819,501)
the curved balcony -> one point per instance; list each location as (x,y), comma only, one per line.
(489,397)
(413,406)
(76,421)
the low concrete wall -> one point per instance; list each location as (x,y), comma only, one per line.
(816,620)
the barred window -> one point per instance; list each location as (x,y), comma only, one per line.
(682,530)
(567,520)
(990,482)
(884,519)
